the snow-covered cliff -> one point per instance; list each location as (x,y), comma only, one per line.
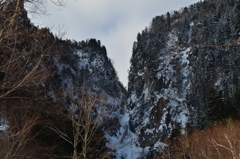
(185,71)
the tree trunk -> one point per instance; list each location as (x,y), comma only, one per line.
(75,156)
(84,147)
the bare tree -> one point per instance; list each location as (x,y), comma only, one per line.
(86,115)
(14,140)
(25,52)
(220,141)
(25,64)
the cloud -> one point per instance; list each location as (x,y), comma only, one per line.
(114,22)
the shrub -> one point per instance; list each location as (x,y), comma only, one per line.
(220,141)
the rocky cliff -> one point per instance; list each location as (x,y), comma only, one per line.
(185,71)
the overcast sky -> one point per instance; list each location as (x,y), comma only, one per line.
(114,22)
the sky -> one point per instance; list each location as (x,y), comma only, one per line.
(114,22)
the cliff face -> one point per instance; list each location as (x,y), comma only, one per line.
(185,71)
(38,67)
(85,64)
(71,65)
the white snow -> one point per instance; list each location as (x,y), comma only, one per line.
(218,82)
(149,131)
(192,24)
(176,96)
(145,121)
(140,73)
(125,143)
